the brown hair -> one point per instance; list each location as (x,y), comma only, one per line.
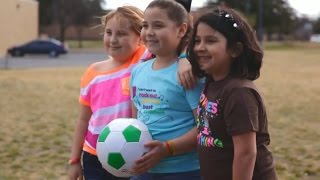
(236,29)
(133,14)
(178,14)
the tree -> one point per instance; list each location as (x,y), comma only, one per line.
(45,13)
(278,16)
(316,26)
(44,10)
(69,12)
(85,15)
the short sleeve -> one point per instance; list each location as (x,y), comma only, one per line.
(193,95)
(132,88)
(86,78)
(241,112)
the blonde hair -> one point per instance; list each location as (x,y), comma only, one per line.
(133,14)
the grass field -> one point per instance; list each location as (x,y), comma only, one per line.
(39,108)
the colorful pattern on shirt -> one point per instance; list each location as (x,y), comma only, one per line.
(108,95)
(207,109)
(167,109)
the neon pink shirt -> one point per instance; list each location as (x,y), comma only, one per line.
(108,95)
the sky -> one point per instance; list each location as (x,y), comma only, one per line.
(307,7)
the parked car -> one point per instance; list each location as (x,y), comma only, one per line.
(52,47)
(315,38)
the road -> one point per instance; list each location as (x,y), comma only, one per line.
(72,59)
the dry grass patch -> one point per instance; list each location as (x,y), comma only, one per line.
(39,108)
(291,84)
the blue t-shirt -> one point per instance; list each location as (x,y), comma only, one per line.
(167,109)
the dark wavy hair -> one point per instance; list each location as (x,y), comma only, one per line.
(236,30)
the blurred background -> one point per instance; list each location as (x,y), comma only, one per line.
(39,93)
(73,21)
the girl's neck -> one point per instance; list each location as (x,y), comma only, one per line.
(217,76)
(163,61)
(108,65)
(118,62)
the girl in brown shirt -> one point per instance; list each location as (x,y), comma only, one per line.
(232,122)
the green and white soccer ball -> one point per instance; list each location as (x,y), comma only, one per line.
(120,144)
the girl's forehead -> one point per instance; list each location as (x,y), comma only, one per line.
(205,29)
(155,13)
(118,22)
(153,10)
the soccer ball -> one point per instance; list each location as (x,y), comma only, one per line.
(120,144)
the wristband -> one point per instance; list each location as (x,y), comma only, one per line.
(182,55)
(172,147)
(169,147)
(74,161)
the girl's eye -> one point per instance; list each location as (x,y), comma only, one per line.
(157,26)
(197,41)
(211,41)
(108,32)
(144,26)
(121,33)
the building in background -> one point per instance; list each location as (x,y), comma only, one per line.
(19,22)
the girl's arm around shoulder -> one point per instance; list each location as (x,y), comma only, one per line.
(185,76)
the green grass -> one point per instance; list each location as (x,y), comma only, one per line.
(290,45)
(39,108)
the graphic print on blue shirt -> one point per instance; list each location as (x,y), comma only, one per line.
(151,102)
(206,111)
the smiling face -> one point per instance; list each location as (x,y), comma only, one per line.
(119,39)
(160,34)
(211,51)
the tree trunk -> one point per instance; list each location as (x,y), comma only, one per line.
(80,33)
(62,32)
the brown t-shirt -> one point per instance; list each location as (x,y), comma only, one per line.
(230,107)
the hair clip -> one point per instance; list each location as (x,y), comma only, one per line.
(235,25)
(228,18)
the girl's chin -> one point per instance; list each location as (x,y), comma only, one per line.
(114,53)
(203,68)
(152,50)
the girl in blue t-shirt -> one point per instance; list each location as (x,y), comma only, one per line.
(166,107)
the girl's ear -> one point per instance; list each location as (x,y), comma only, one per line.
(182,30)
(140,42)
(236,50)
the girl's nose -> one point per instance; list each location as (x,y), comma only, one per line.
(199,47)
(150,32)
(113,39)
